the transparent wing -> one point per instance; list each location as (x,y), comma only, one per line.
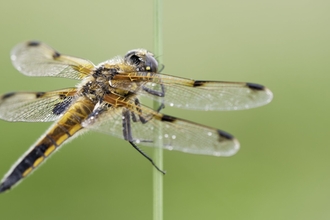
(38,59)
(143,126)
(195,94)
(35,106)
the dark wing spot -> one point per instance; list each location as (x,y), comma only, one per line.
(56,54)
(255,86)
(39,94)
(198,83)
(62,96)
(168,118)
(225,135)
(8,95)
(33,43)
(62,106)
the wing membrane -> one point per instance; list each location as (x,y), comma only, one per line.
(195,94)
(38,59)
(177,134)
(35,106)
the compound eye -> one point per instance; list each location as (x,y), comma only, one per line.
(151,64)
(142,60)
(135,60)
(132,58)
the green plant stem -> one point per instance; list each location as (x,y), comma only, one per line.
(158,151)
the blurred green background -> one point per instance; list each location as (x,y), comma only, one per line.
(282,169)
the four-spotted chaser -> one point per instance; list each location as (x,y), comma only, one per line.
(107,100)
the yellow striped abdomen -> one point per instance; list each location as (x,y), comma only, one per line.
(59,132)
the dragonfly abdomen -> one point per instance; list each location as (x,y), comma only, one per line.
(58,133)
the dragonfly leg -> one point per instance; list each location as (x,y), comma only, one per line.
(127,132)
(143,119)
(154,92)
(146,156)
(157,93)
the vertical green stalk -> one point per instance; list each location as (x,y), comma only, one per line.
(158,151)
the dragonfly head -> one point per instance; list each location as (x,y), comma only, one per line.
(142,60)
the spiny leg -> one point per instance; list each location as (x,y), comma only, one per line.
(127,132)
(144,119)
(157,93)
(154,92)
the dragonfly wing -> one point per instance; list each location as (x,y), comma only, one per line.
(195,94)
(34,58)
(145,126)
(35,106)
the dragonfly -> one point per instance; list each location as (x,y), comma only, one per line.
(108,100)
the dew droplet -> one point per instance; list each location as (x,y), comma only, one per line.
(169,148)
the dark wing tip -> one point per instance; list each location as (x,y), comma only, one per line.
(226,135)
(8,95)
(228,144)
(33,43)
(255,86)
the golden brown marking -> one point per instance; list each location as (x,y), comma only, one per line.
(70,123)
(38,161)
(135,77)
(64,129)
(71,92)
(115,100)
(51,140)
(82,66)
(60,137)
(26,172)
(130,77)
(49,150)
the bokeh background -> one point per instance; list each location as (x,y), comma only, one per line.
(282,169)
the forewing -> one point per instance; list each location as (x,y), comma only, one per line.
(175,134)
(38,59)
(195,94)
(35,106)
